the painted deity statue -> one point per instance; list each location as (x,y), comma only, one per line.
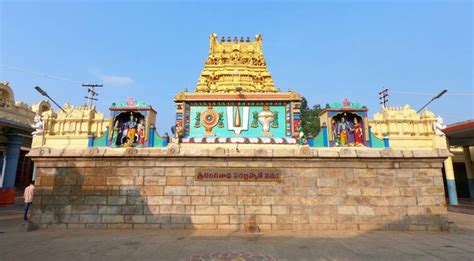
(337,141)
(115,135)
(141,133)
(301,136)
(124,132)
(358,133)
(131,130)
(343,128)
(38,126)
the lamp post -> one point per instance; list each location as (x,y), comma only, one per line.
(45,94)
(432,99)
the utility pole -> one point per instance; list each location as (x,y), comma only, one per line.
(383,97)
(91,92)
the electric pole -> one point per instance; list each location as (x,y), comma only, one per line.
(383,97)
(91,92)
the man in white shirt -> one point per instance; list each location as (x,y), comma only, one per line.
(28,195)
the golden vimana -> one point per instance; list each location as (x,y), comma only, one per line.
(235,65)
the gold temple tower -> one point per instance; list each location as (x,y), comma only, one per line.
(236,65)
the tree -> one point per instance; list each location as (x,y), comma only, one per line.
(310,118)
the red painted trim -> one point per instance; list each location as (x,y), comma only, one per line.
(459,126)
(342,109)
(132,109)
(236,96)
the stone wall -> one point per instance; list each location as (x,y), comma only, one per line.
(346,189)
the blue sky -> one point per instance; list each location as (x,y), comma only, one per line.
(327,51)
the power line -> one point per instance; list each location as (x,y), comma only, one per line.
(431,94)
(39,74)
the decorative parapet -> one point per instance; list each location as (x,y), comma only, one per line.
(16,113)
(71,127)
(407,128)
(254,152)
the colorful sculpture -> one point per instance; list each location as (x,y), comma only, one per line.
(343,128)
(358,133)
(265,117)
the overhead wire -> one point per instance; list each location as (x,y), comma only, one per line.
(39,74)
(432,94)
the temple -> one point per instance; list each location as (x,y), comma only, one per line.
(94,171)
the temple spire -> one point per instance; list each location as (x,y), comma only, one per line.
(235,66)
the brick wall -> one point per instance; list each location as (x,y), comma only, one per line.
(320,189)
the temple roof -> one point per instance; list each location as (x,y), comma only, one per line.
(236,65)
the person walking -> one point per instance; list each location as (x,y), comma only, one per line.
(28,195)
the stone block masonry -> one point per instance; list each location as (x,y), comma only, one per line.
(320,189)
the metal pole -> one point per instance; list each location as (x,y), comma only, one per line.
(45,94)
(432,99)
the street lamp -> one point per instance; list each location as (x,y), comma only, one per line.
(45,94)
(432,99)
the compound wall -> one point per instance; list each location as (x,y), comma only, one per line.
(156,188)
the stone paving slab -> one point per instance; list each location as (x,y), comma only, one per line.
(62,244)
(212,245)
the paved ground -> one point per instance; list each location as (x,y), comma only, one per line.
(16,244)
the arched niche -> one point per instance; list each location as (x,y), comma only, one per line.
(121,123)
(7,99)
(41,107)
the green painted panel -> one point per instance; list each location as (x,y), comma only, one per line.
(157,140)
(319,140)
(251,132)
(100,141)
(376,141)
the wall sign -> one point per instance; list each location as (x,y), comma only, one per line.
(238,174)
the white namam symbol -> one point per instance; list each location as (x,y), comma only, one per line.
(244,124)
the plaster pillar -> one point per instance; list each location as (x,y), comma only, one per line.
(450,181)
(469,170)
(7,192)
(13,154)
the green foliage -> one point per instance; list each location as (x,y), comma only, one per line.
(310,118)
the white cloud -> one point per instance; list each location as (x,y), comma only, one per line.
(115,80)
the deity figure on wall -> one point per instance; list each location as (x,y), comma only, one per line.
(439,126)
(266,117)
(131,130)
(141,133)
(358,133)
(335,137)
(38,126)
(115,134)
(255,120)
(197,119)
(301,136)
(343,129)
